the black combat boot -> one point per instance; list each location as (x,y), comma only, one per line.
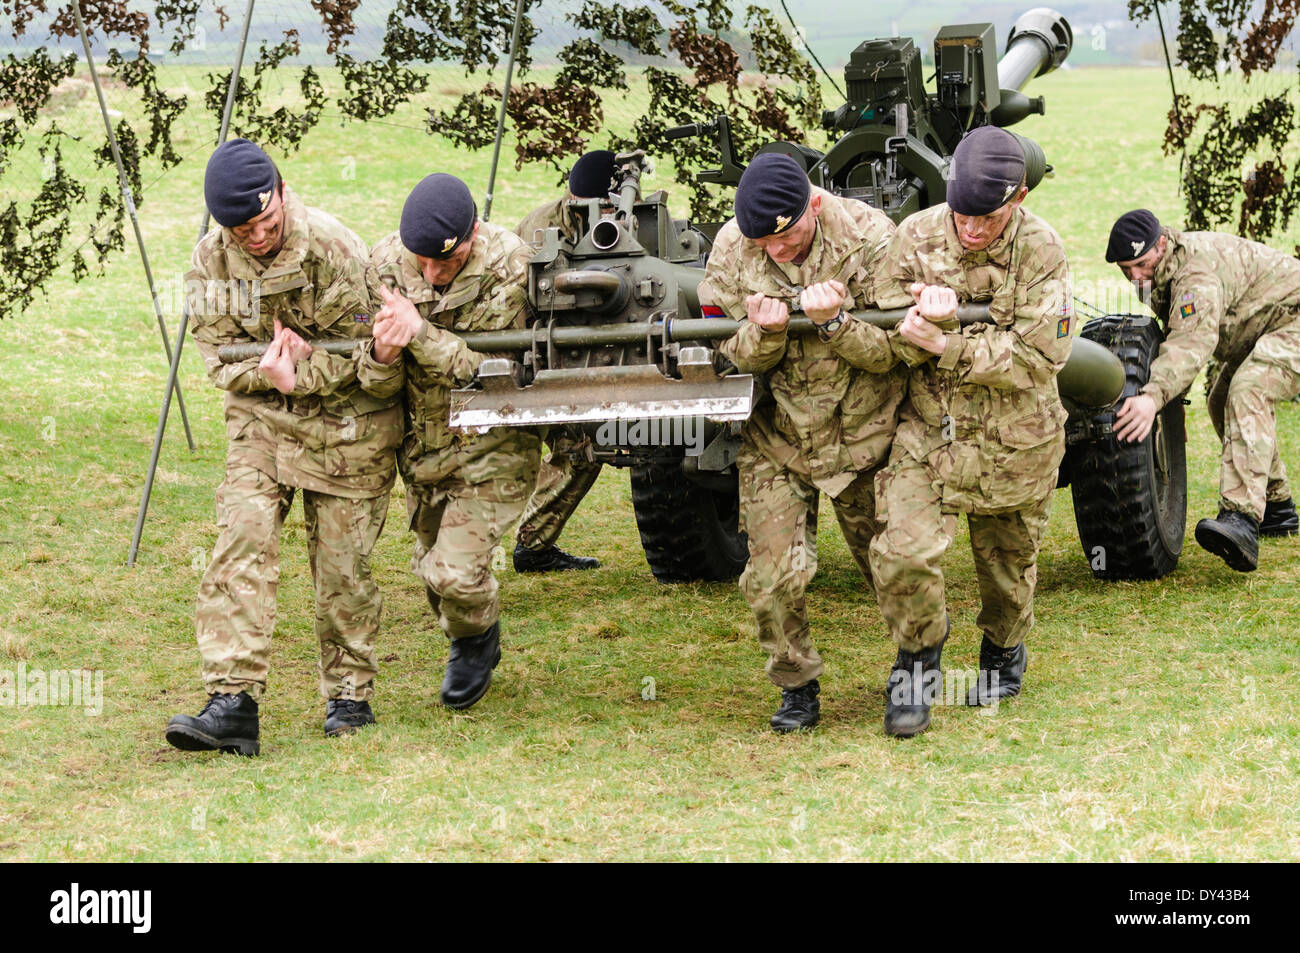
(915,682)
(799,708)
(1001,672)
(469,667)
(1233,537)
(1279,519)
(228,722)
(550,559)
(344,716)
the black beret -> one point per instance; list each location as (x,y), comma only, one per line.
(987,168)
(438,215)
(1133,235)
(592,175)
(239,182)
(772,195)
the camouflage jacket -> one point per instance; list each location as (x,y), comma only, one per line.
(488,294)
(985,416)
(831,406)
(551,215)
(1216,295)
(328,435)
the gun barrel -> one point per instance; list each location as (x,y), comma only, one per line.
(1039,42)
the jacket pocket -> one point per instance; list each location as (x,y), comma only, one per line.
(1032,430)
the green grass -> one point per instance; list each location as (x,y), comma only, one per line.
(1159,720)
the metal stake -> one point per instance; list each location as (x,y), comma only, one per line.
(501,115)
(185,312)
(129,201)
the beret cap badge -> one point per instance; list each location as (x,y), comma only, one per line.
(1133,233)
(773,194)
(239,182)
(987,169)
(438,215)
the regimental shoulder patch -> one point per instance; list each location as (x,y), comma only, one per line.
(711,311)
(265,199)
(781,222)
(448,245)
(1063,327)
(1188,309)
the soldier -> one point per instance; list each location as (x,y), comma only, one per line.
(566,475)
(982,429)
(830,416)
(452,273)
(281,272)
(1237,301)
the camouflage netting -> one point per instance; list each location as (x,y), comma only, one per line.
(68,207)
(1235,172)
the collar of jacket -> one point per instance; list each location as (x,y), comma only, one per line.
(288,260)
(420,291)
(1168,266)
(998,253)
(563,216)
(832,219)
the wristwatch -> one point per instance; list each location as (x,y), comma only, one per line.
(827,331)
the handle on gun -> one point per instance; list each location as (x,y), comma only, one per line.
(688,130)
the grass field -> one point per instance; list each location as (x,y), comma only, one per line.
(1159,720)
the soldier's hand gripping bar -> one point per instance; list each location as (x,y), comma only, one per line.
(678,329)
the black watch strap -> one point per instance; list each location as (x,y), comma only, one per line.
(829,328)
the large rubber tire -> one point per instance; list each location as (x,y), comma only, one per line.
(1130,500)
(689,532)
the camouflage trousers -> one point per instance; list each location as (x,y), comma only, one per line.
(458,529)
(236,604)
(905,559)
(1241,401)
(778,510)
(566,476)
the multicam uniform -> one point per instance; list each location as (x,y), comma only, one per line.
(982,429)
(566,476)
(825,427)
(327,438)
(1238,301)
(464,490)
